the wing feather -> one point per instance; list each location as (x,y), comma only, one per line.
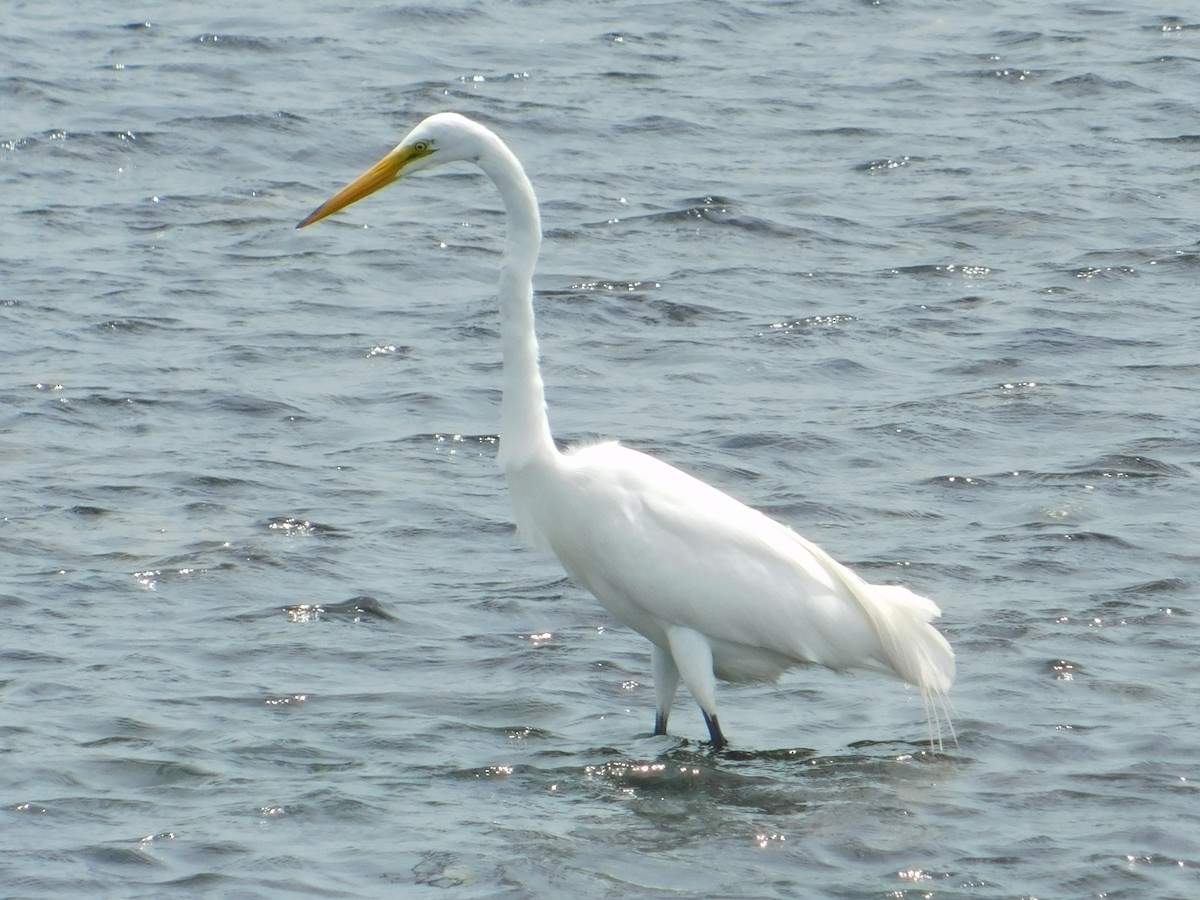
(659,547)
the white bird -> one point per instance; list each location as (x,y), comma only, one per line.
(719,589)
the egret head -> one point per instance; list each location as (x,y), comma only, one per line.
(442,138)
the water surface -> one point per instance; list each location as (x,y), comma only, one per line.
(917,279)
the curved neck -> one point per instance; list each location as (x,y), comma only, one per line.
(524,427)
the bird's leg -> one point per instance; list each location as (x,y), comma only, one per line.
(692,655)
(666,683)
(714,730)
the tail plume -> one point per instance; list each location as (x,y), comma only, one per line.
(915,650)
(912,648)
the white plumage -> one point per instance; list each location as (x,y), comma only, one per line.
(719,589)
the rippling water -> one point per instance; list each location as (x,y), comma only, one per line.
(918,279)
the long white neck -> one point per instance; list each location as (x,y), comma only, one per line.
(524,427)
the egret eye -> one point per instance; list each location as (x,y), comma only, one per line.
(422,147)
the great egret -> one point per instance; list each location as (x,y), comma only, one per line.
(719,589)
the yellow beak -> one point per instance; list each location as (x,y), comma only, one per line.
(379,175)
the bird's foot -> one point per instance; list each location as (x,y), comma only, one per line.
(714,731)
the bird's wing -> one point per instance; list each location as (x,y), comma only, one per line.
(659,547)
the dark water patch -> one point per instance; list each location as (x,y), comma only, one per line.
(852,132)
(1009,75)
(673,785)
(1160,586)
(630,76)
(124,855)
(1124,465)
(1106,610)
(961,482)
(944,270)
(325,803)
(11,602)
(1097,537)
(255,406)
(1050,339)
(354,610)
(1063,670)
(1051,533)
(291,526)
(1010,37)
(838,369)
(18,654)
(782,442)
(806,325)
(590,284)
(279,121)
(483,444)
(1089,84)
(140,325)
(435,15)
(989,366)
(715,210)
(24,88)
(1101,272)
(1182,140)
(231,885)
(227,41)
(651,124)
(93,144)
(632,302)
(292,753)
(887,164)
(89,512)
(216,483)
(477,78)
(685,773)
(1162,371)
(151,772)
(1172,25)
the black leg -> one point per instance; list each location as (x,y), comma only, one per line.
(714,731)
(660,723)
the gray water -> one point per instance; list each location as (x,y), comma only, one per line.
(918,279)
